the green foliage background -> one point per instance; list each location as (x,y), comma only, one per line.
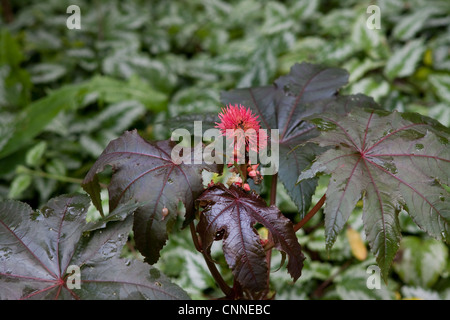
(64,94)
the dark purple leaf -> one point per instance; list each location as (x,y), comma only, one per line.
(392,161)
(230,214)
(306,90)
(39,248)
(144,172)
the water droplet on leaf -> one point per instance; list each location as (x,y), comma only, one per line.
(109,249)
(71,213)
(323,125)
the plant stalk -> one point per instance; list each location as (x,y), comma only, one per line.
(310,214)
(42,174)
(229,292)
(273,189)
(7,11)
(46,175)
(273,200)
(302,222)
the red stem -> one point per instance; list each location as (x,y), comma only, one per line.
(273,189)
(310,214)
(302,222)
(273,200)
(7,11)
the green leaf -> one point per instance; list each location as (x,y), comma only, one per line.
(46,72)
(34,155)
(357,69)
(372,41)
(33,119)
(111,90)
(441,85)
(410,25)
(375,88)
(441,112)
(15,82)
(404,60)
(415,293)
(391,161)
(194,100)
(304,49)
(261,67)
(421,261)
(97,130)
(186,266)
(186,121)
(31,269)
(352,285)
(116,118)
(36,116)
(6,128)
(56,167)
(276,19)
(20,183)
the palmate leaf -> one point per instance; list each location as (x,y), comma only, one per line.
(230,214)
(393,161)
(307,89)
(38,247)
(144,172)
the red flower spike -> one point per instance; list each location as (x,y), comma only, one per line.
(238,117)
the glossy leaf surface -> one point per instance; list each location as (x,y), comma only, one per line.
(231,214)
(40,249)
(144,172)
(392,161)
(307,89)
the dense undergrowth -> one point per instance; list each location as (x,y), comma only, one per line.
(64,94)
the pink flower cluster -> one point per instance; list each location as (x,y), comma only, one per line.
(241,126)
